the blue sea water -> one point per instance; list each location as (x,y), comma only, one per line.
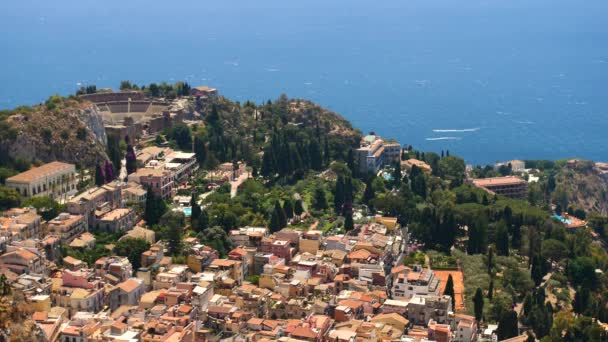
(487,79)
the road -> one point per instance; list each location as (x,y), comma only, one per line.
(234,185)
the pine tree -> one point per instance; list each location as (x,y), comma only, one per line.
(288,208)
(449,291)
(99,176)
(478,303)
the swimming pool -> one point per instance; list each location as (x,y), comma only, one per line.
(563,220)
(387,176)
(187,211)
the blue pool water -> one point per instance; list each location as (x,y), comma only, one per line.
(487,79)
(563,220)
(187,211)
(387,176)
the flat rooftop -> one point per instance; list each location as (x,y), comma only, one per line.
(45,170)
(498,181)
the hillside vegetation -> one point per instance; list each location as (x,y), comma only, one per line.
(60,129)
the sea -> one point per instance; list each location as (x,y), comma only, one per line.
(488,80)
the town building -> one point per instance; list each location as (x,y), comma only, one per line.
(415,282)
(55,179)
(23,261)
(96,200)
(375,153)
(517,166)
(509,186)
(117,220)
(158,180)
(67,226)
(22,223)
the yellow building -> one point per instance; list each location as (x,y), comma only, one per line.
(389,222)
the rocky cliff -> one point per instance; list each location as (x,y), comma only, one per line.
(68,130)
(583,186)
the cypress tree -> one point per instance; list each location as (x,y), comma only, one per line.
(537,270)
(316,159)
(449,291)
(275,222)
(320,201)
(478,303)
(581,300)
(491,289)
(155,208)
(326,153)
(507,326)
(288,208)
(397,174)
(99,176)
(280,214)
(348,221)
(368,193)
(203,221)
(115,154)
(350,162)
(339,195)
(196,209)
(502,240)
(490,260)
(298,208)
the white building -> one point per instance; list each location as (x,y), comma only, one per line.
(416,282)
(375,152)
(54,179)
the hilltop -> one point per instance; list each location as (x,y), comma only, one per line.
(583,185)
(66,129)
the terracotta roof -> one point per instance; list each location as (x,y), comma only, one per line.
(129,285)
(255,321)
(498,181)
(223,262)
(395,316)
(303,332)
(39,316)
(220,309)
(359,254)
(185,308)
(353,304)
(24,254)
